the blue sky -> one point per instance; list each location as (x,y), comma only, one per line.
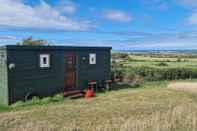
(128,24)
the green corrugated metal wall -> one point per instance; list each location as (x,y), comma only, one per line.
(3,77)
(98,72)
(27,76)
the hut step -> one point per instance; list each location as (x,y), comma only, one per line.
(71,93)
(79,95)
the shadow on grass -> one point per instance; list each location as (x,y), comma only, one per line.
(120,86)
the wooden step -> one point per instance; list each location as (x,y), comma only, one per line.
(79,95)
(74,92)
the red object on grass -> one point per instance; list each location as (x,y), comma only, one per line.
(89,93)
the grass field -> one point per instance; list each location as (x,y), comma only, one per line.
(161,57)
(135,60)
(152,107)
(154,67)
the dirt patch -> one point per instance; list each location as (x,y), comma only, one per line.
(184,86)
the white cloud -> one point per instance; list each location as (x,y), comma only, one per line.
(190,3)
(193,19)
(71,9)
(163,6)
(67,7)
(7,37)
(118,16)
(14,13)
(181,40)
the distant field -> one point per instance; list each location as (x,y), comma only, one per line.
(148,58)
(155,67)
(135,60)
(152,107)
(189,64)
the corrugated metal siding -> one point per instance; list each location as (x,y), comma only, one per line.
(98,72)
(3,77)
(29,77)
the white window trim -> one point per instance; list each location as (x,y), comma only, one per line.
(92,55)
(42,56)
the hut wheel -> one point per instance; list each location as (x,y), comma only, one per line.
(30,95)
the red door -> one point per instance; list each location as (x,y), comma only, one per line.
(70,71)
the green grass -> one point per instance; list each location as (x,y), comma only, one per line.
(4,108)
(151,107)
(32,103)
(154,62)
(147,57)
(153,69)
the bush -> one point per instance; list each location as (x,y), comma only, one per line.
(34,100)
(131,78)
(120,56)
(46,100)
(162,64)
(19,103)
(155,74)
(137,81)
(58,97)
(179,60)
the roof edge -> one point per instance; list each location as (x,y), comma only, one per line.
(54,47)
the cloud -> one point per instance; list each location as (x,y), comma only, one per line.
(138,40)
(117,16)
(156,4)
(192,6)
(166,41)
(192,20)
(188,3)
(130,34)
(14,13)
(8,37)
(163,6)
(67,7)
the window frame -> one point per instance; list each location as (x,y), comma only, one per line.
(92,56)
(41,61)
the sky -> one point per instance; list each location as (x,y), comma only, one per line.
(122,24)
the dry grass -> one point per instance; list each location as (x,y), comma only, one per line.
(145,109)
(184,86)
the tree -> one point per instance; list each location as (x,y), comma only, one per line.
(31,42)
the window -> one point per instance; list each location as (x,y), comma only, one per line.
(92,58)
(44,60)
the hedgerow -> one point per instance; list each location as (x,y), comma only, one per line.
(156,74)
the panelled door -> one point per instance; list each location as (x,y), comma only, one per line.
(70,71)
